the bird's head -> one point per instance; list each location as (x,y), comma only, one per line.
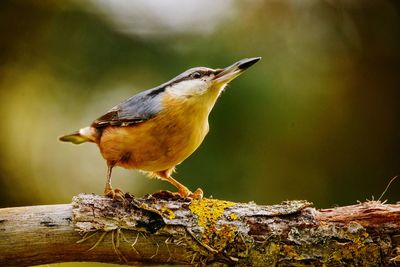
(207,83)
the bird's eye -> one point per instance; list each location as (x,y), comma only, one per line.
(196,75)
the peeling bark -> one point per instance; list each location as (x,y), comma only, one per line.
(161,229)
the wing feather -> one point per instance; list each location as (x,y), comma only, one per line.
(136,109)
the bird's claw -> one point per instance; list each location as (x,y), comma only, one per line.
(182,194)
(198,194)
(115,194)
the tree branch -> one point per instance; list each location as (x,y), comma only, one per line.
(159,229)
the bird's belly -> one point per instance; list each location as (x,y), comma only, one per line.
(152,145)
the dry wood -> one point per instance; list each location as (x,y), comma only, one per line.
(159,229)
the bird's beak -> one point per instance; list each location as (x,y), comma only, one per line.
(229,73)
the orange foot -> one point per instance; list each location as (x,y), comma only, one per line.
(185,193)
(115,194)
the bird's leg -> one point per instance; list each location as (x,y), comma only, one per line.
(116,193)
(183,191)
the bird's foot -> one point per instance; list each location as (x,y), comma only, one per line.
(115,194)
(180,195)
(198,194)
(186,193)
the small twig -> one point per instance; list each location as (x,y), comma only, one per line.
(169,252)
(387,187)
(86,237)
(98,241)
(158,247)
(213,250)
(134,243)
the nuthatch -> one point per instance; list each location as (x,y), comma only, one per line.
(159,128)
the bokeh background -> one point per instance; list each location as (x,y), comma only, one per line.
(318,118)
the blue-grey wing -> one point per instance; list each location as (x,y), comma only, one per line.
(136,109)
(140,107)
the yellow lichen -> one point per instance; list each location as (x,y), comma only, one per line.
(233,216)
(290,252)
(363,252)
(208,211)
(167,213)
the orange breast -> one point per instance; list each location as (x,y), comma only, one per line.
(159,143)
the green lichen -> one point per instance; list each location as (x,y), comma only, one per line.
(357,252)
(330,245)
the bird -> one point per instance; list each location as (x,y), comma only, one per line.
(157,129)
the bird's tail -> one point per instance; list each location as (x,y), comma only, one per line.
(86,134)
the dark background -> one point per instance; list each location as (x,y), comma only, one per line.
(318,118)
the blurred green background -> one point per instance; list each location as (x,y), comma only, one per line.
(318,118)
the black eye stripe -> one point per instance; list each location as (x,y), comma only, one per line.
(196,75)
(187,76)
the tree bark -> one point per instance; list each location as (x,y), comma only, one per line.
(161,229)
